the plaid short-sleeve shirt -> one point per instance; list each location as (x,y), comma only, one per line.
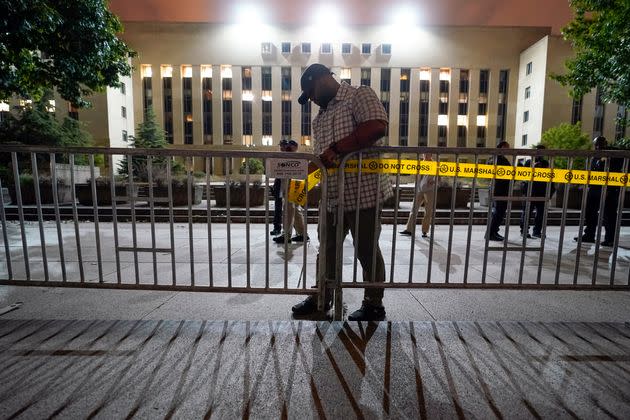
(350,107)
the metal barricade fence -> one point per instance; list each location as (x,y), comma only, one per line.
(131,236)
(127,239)
(461,255)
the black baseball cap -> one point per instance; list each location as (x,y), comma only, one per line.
(310,75)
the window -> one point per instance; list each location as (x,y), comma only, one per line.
(187,104)
(123,88)
(247,118)
(345,75)
(286,119)
(326,48)
(525,116)
(461,135)
(125,136)
(528,92)
(167,92)
(306,47)
(346,48)
(385,88)
(442,130)
(266,48)
(266,118)
(123,112)
(305,126)
(386,49)
(366,48)
(524,140)
(576,110)
(366,76)
(286,48)
(528,69)
(147,91)
(285,79)
(424,112)
(502,107)
(206,99)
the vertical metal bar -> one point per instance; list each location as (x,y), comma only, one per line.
(305,242)
(53,171)
(471,212)
(508,220)
(190,192)
(339,237)
(377,211)
(97,232)
(451,222)
(432,238)
(18,197)
(134,234)
(322,257)
(247,236)
(563,221)
(267,230)
(355,238)
(600,220)
(543,233)
(415,204)
(209,220)
(171,219)
(484,269)
(582,212)
(228,169)
(525,216)
(152,216)
(622,195)
(112,192)
(75,218)
(5,236)
(286,235)
(40,218)
(395,223)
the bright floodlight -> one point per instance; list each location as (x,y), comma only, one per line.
(249,14)
(327,15)
(404,16)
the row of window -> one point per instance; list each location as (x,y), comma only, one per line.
(267,48)
(305,118)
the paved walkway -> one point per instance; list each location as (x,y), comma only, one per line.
(76,353)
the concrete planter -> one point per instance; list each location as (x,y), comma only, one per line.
(64,194)
(238,197)
(103,194)
(179,194)
(444,196)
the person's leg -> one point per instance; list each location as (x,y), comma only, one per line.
(277,214)
(498,212)
(367,248)
(427,220)
(610,214)
(288,219)
(298,221)
(591,212)
(411,221)
(539,207)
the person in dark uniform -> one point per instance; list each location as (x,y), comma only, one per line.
(539,189)
(501,188)
(594,196)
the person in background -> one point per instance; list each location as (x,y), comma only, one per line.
(501,189)
(349,119)
(293,216)
(539,189)
(277,198)
(425,197)
(594,196)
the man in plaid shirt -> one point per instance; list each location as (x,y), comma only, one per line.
(349,119)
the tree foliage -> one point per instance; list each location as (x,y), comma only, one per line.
(67,45)
(600,35)
(566,137)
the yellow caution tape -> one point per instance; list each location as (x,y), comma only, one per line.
(297,193)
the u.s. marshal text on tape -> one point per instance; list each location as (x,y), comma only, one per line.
(466,170)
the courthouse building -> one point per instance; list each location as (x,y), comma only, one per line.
(236,84)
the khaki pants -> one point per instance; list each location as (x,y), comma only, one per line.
(367,240)
(293,217)
(426,200)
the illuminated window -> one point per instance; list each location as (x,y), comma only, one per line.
(186,71)
(206,72)
(481,120)
(267,140)
(345,75)
(167,71)
(442,119)
(146,71)
(445,74)
(462,120)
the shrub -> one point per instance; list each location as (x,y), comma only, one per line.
(255,165)
(567,137)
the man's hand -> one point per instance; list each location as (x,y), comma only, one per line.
(329,158)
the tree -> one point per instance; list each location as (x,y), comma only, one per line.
(566,137)
(600,35)
(67,45)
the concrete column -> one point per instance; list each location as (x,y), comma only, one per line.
(276,105)
(414,107)
(394,107)
(453,102)
(257,105)
(178,111)
(434,100)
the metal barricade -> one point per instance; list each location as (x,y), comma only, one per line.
(458,252)
(132,236)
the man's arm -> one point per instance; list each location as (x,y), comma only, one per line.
(364,136)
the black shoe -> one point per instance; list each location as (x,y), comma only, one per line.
(368,312)
(585,239)
(280,239)
(536,235)
(425,235)
(607,243)
(496,237)
(308,306)
(405,232)
(275,232)
(528,236)
(299,238)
